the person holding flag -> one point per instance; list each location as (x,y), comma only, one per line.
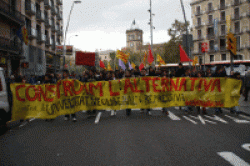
(122,56)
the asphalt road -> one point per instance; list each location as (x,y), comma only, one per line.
(159,139)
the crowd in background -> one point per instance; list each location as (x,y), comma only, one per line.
(94,75)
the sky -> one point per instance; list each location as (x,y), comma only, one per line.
(102,24)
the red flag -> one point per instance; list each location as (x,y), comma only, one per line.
(85,58)
(183,55)
(102,64)
(141,66)
(150,56)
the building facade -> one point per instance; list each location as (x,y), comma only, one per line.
(134,38)
(11,20)
(43,20)
(105,55)
(210,25)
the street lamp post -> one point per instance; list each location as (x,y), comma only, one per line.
(64,46)
(72,36)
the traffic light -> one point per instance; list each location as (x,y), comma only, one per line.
(231,43)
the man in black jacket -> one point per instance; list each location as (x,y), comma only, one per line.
(181,71)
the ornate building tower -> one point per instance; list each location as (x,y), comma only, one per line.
(134,37)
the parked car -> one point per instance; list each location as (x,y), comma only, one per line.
(5,114)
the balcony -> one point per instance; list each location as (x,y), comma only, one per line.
(59,33)
(48,23)
(47,4)
(56,11)
(53,11)
(199,38)
(223,34)
(199,25)
(236,2)
(235,17)
(209,37)
(197,13)
(10,14)
(8,45)
(53,27)
(210,23)
(30,8)
(47,42)
(40,16)
(223,48)
(59,2)
(41,38)
(32,33)
(59,16)
(57,28)
(222,7)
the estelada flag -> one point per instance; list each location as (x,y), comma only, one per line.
(141,66)
(183,56)
(133,65)
(160,60)
(121,55)
(102,65)
(150,56)
(109,67)
(85,58)
(23,35)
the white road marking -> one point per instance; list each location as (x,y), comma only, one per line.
(112,112)
(246,147)
(173,116)
(216,118)
(233,158)
(237,120)
(30,120)
(202,120)
(98,117)
(190,120)
(246,117)
(23,123)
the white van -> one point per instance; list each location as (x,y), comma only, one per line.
(5,114)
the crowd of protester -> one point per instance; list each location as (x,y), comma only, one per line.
(94,75)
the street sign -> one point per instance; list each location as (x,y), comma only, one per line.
(204,47)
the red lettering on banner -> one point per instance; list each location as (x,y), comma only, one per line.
(17,93)
(217,84)
(136,89)
(99,85)
(67,85)
(40,92)
(200,84)
(164,84)
(58,89)
(81,89)
(28,95)
(127,85)
(207,86)
(147,79)
(174,84)
(155,85)
(110,90)
(183,84)
(192,83)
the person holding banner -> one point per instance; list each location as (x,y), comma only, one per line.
(143,74)
(91,78)
(127,75)
(165,75)
(67,116)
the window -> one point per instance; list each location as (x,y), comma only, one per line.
(223,16)
(40,54)
(131,44)
(211,58)
(210,7)
(105,57)
(210,32)
(200,60)
(222,4)
(198,10)
(198,21)
(139,37)
(132,37)
(210,19)
(223,57)
(222,44)
(237,42)
(223,29)
(211,45)
(237,27)
(236,13)
(200,44)
(199,34)
(238,57)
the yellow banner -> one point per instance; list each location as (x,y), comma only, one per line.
(70,96)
